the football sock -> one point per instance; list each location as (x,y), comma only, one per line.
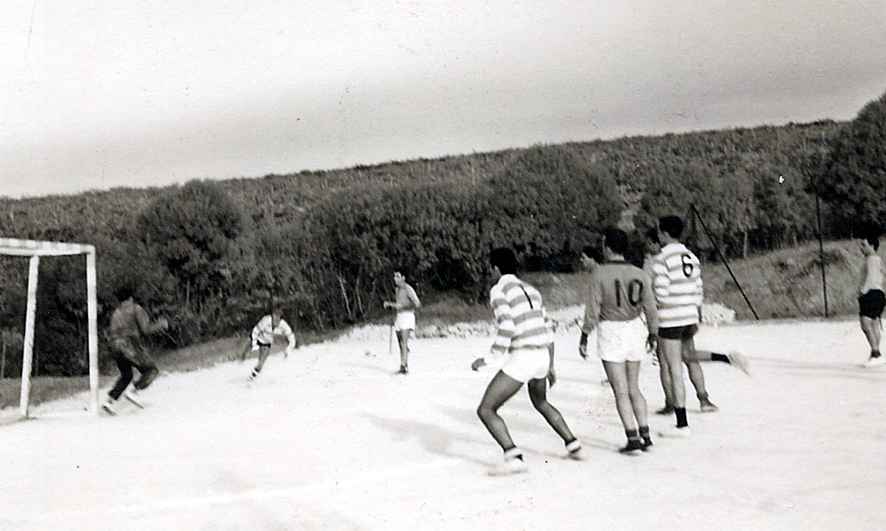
(680,412)
(716,356)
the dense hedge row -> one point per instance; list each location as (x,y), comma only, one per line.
(211,255)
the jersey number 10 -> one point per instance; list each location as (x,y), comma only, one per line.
(635,292)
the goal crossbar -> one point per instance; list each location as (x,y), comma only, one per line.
(35,249)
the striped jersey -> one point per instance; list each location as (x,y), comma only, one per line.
(620,291)
(677,285)
(519,316)
(264,332)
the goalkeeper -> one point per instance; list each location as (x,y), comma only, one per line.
(263,334)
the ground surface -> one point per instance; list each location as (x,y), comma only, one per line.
(330,439)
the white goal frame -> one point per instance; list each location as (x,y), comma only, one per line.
(35,249)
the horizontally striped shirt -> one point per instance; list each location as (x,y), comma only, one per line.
(264,332)
(519,317)
(678,286)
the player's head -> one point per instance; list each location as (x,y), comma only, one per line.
(399,278)
(653,244)
(870,240)
(124,291)
(591,257)
(670,226)
(615,241)
(276,315)
(504,259)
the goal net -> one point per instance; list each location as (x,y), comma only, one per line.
(35,250)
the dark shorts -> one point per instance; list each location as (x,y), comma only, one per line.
(263,345)
(871,304)
(131,350)
(678,332)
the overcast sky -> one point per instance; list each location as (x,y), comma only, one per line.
(98,94)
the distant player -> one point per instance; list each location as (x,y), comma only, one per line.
(405,302)
(871,298)
(523,343)
(619,293)
(696,376)
(129,326)
(591,258)
(263,337)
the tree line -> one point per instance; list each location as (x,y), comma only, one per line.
(212,255)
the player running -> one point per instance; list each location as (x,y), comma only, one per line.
(405,302)
(871,298)
(618,294)
(263,337)
(524,344)
(129,326)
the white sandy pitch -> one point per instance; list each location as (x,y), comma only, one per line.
(330,439)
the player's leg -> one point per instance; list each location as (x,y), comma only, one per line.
(871,329)
(617,374)
(538,394)
(125,368)
(672,347)
(264,351)
(696,375)
(664,375)
(500,390)
(638,402)
(403,342)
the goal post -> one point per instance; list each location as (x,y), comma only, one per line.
(35,249)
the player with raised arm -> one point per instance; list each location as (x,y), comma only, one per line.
(871,298)
(523,348)
(405,303)
(618,294)
(129,326)
(262,338)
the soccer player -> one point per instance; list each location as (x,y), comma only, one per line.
(691,359)
(679,294)
(129,325)
(263,337)
(524,344)
(405,302)
(871,298)
(619,293)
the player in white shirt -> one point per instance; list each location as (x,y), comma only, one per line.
(524,349)
(405,302)
(871,298)
(263,337)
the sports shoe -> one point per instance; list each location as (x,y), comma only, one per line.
(739,361)
(633,446)
(574,451)
(509,467)
(108,406)
(647,444)
(666,410)
(403,370)
(675,433)
(132,396)
(707,406)
(872,362)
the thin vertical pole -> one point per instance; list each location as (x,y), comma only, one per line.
(824,278)
(28,349)
(92,317)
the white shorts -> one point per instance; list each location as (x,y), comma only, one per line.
(404,321)
(528,364)
(621,341)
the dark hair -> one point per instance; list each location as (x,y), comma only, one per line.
(872,236)
(652,236)
(672,225)
(616,239)
(504,259)
(124,291)
(593,252)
